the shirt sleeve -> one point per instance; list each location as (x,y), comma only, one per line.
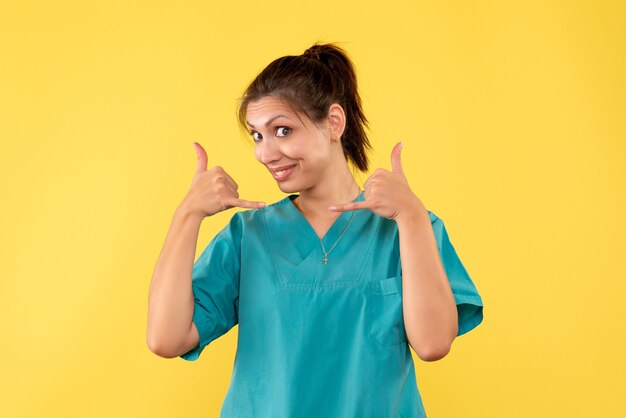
(468,301)
(215,285)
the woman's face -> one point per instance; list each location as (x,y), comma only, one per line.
(289,142)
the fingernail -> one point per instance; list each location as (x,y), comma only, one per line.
(261,204)
(332,207)
(401,145)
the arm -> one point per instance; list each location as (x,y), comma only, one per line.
(170,329)
(428,305)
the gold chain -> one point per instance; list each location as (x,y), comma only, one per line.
(325,259)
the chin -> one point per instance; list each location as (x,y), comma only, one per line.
(288,188)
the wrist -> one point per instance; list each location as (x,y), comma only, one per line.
(185,213)
(413,212)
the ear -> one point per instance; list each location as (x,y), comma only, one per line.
(336,120)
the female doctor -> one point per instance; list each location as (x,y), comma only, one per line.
(332,284)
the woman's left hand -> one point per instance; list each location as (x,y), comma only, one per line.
(387,193)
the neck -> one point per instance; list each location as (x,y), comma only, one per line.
(335,186)
(316,201)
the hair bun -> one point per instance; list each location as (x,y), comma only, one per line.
(313,52)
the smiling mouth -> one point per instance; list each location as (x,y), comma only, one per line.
(280,174)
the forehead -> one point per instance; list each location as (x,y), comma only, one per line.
(260,111)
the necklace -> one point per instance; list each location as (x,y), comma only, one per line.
(325,259)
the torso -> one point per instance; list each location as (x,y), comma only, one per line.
(310,333)
(319,225)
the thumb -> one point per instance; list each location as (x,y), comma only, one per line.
(396,160)
(202,157)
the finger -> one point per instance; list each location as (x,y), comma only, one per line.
(396,160)
(366,184)
(350,206)
(202,157)
(221,174)
(231,182)
(244,203)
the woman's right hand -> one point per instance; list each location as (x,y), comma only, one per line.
(213,190)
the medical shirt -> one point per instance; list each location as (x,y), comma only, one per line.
(316,340)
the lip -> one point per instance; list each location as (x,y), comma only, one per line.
(282,167)
(289,169)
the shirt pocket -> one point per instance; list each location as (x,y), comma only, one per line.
(384,310)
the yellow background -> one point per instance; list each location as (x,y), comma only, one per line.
(513,120)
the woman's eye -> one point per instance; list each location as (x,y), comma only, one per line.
(282,129)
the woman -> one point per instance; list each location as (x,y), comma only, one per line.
(329,286)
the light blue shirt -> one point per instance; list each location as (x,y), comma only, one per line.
(316,340)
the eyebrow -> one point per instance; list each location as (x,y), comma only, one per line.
(269,121)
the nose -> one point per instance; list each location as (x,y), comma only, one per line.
(267,151)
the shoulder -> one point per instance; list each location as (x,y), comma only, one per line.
(437,224)
(433,217)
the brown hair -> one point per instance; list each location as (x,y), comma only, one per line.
(310,83)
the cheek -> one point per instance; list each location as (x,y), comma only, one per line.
(292,150)
(317,158)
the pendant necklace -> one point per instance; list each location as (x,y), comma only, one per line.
(325,259)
